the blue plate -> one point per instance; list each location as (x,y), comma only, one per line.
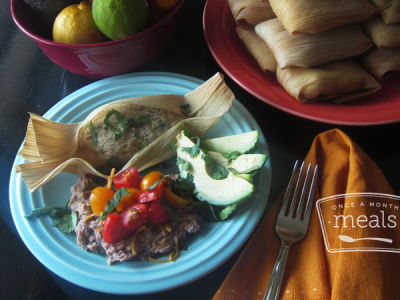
(206,251)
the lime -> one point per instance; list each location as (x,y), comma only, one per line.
(120,18)
(75,25)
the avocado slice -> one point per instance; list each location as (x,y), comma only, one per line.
(225,191)
(244,163)
(242,142)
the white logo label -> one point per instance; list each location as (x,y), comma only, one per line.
(360,222)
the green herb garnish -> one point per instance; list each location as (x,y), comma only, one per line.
(113,202)
(155,183)
(232,155)
(185,109)
(185,185)
(121,120)
(93,134)
(67,223)
(183,165)
(195,150)
(227,211)
(138,120)
(163,124)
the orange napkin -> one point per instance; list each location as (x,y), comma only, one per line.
(311,271)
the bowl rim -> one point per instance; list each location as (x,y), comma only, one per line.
(138,35)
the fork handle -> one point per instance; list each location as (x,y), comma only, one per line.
(274,285)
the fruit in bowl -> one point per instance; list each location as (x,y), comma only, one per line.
(106,58)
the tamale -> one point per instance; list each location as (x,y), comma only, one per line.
(309,50)
(335,82)
(51,147)
(389,10)
(382,62)
(312,16)
(382,34)
(248,13)
(258,49)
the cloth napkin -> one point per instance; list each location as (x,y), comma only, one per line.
(311,271)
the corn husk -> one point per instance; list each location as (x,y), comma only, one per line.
(389,10)
(258,49)
(53,147)
(313,16)
(336,82)
(309,50)
(248,13)
(382,34)
(382,62)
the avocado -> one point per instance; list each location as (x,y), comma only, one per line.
(225,191)
(244,163)
(242,142)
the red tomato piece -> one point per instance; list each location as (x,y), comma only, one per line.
(151,195)
(158,215)
(128,200)
(129,178)
(113,229)
(134,216)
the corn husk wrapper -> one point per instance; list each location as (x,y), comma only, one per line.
(336,82)
(248,13)
(258,49)
(309,50)
(381,62)
(313,16)
(54,147)
(382,34)
(389,10)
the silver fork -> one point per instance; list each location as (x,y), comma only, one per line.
(292,225)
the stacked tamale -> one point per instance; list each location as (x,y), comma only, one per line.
(322,50)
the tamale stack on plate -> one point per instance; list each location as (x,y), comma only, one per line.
(117,134)
(382,34)
(382,62)
(248,13)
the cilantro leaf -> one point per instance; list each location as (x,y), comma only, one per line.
(93,134)
(121,120)
(232,155)
(185,109)
(67,223)
(185,185)
(113,202)
(195,150)
(227,211)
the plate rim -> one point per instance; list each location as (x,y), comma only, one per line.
(16,182)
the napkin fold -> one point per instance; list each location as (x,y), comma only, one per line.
(311,271)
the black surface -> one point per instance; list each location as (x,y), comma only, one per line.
(29,81)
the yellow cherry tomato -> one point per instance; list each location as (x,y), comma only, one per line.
(149,179)
(174,200)
(128,200)
(99,198)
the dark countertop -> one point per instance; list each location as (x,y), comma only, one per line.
(29,81)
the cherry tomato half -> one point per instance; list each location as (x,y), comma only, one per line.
(158,215)
(99,198)
(113,230)
(129,178)
(128,200)
(134,216)
(149,179)
(154,194)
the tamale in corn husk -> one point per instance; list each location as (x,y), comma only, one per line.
(382,62)
(309,50)
(116,134)
(335,82)
(248,13)
(312,16)
(389,10)
(258,49)
(382,34)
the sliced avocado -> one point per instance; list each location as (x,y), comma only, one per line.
(244,163)
(242,142)
(225,191)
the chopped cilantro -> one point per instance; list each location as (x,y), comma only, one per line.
(113,203)
(67,223)
(185,109)
(195,150)
(163,124)
(232,155)
(138,120)
(227,211)
(185,185)
(93,134)
(183,164)
(121,120)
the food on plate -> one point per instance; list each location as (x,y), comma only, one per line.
(75,25)
(337,82)
(135,217)
(248,13)
(383,35)
(312,16)
(118,19)
(389,10)
(93,145)
(309,50)
(257,48)
(382,62)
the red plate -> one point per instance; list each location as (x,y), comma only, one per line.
(219,28)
